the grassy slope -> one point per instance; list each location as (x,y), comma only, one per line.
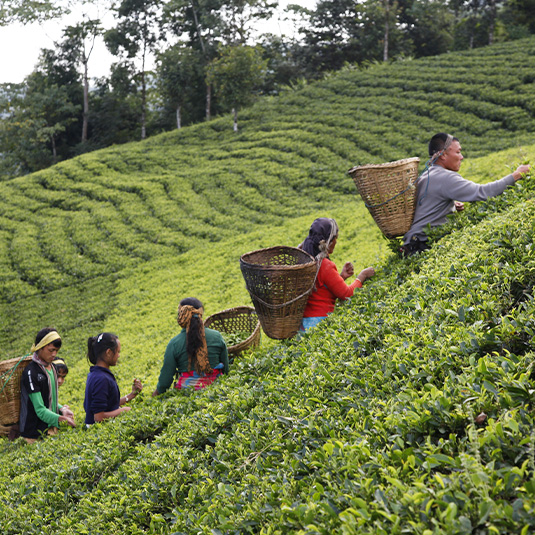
(72,229)
(131,229)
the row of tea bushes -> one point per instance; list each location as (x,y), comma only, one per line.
(370,424)
(115,208)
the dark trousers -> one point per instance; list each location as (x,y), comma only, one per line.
(414,246)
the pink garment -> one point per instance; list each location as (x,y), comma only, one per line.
(194,380)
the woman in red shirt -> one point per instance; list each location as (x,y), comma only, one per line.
(330,285)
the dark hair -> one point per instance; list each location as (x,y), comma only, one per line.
(437,142)
(97,345)
(43,332)
(60,365)
(193,338)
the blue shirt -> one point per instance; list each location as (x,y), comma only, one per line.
(101,393)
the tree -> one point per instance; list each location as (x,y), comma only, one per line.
(238,18)
(36,115)
(428,26)
(197,24)
(80,39)
(283,65)
(524,11)
(199,21)
(476,22)
(25,11)
(389,20)
(134,37)
(518,18)
(332,36)
(41,117)
(205,25)
(58,67)
(181,79)
(115,103)
(235,75)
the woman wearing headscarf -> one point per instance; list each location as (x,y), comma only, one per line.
(40,411)
(330,285)
(197,355)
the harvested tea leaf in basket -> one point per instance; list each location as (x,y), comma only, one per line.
(232,339)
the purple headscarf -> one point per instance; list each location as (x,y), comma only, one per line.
(321,234)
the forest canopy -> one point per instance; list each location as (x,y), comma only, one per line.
(60,110)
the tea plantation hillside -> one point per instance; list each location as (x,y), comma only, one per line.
(370,424)
(373,423)
(73,229)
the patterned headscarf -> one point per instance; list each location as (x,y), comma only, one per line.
(322,232)
(200,359)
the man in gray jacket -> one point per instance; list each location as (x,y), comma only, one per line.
(441,187)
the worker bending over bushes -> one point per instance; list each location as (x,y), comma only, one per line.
(197,355)
(442,187)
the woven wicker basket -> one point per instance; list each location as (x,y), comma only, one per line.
(279,280)
(237,320)
(4,431)
(389,192)
(10,374)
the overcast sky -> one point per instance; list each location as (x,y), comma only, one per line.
(20,45)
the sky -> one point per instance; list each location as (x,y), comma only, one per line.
(20,45)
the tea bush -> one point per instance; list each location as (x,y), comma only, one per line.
(409,410)
(368,424)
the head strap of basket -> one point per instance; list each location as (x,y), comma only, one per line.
(320,236)
(201,362)
(52,336)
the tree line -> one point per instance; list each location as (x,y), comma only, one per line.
(207,63)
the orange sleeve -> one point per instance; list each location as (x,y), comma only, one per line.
(336,284)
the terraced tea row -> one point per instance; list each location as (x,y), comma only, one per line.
(356,428)
(366,425)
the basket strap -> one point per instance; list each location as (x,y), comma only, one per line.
(275,307)
(428,166)
(12,370)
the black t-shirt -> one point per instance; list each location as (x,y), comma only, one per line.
(33,380)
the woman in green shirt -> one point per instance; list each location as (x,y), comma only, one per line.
(40,411)
(198,355)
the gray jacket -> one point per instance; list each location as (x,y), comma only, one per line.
(436,198)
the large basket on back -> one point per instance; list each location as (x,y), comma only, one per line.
(236,321)
(279,280)
(10,374)
(5,430)
(389,192)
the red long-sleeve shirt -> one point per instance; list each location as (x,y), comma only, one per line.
(329,287)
